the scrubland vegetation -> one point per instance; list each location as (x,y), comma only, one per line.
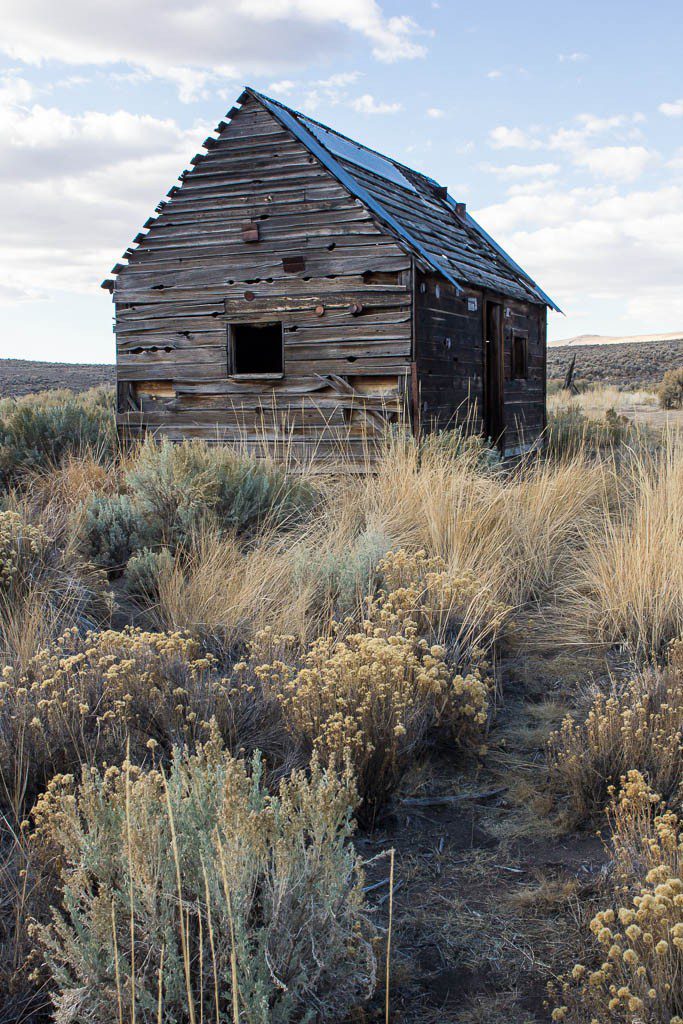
(229,687)
(624,365)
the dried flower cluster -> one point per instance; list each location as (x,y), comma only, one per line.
(375,696)
(640,943)
(84,698)
(22,550)
(638,728)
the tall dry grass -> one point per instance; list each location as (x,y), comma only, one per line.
(218,590)
(627,587)
(590,544)
(518,532)
(595,401)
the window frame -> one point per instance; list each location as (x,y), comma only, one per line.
(522,336)
(231,350)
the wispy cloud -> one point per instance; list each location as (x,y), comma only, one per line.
(367,104)
(283,87)
(523,170)
(206,42)
(435,112)
(505,137)
(619,163)
(674,109)
(572,58)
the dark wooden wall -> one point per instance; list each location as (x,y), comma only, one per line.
(347,314)
(525,400)
(448,354)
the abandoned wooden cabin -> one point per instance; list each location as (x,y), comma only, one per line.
(297,285)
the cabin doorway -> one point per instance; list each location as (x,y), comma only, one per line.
(494,412)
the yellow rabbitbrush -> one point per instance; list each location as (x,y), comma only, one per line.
(639,944)
(376,695)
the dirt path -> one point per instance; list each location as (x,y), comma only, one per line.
(490,890)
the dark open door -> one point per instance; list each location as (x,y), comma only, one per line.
(494,421)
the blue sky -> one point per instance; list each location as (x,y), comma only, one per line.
(561,126)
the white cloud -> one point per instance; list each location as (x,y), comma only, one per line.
(584,143)
(495,73)
(504,137)
(621,163)
(367,104)
(340,80)
(603,244)
(572,58)
(197,42)
(74,189)
(523,170)
(674,109)
(283,87)
(435,112)
(14,90)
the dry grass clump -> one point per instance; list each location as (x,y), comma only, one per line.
(519,534)
(639,727)
(596,400)
(195,895)
(44,587)
(628,585)
(84,699)
(219,590)
(571,431)
(639,943)
(375,696)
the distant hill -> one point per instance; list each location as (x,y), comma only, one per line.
(24,376)
(605,339)
(629,364)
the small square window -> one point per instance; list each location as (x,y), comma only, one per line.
(520,367)
(255,350)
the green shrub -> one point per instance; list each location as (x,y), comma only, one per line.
(113,528)
(342,577)
(671,389)
(42,430)
(253,902)
(570,431)
(143,572)
(180,486)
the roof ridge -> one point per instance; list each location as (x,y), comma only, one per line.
(305,124)
(317,147)
(347,138)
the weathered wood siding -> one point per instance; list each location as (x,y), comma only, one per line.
(347,315)
(448,354)
(449,357)
(525,400)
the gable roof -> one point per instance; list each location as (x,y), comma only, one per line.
(416,209)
